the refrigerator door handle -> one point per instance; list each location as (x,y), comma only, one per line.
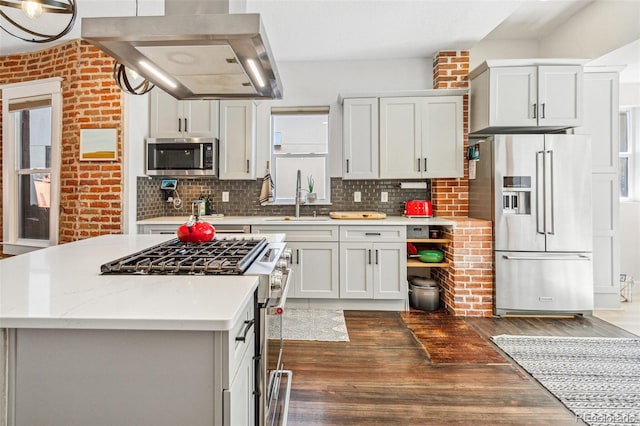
(551,196)
(540,195)
(576,257)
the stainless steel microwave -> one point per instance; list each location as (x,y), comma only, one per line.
(181,157)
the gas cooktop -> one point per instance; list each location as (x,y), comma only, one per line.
(216,257)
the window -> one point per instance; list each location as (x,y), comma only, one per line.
(625,153)
(31,121)
(300,141)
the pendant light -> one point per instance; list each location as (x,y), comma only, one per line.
(20,18)
(130,81)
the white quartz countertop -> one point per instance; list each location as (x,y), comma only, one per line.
(303,220)
(61,287)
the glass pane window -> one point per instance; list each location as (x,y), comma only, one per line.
(624,177)
(33,133)
(35,199)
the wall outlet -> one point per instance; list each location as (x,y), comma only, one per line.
(384,197)
(225,197)
(356,196)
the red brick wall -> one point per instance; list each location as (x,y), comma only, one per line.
(450,197)
(90,191)
(467,285)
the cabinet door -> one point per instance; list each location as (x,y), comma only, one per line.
(165,120)
(400,138)
(239,400)
(315,270)
(390,271)
(237,140)
(201,118)
(513,96)
(600,119)
(442,137)
(360,138)
(559,95)
(356,271)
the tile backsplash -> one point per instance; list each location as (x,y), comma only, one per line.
(244,194)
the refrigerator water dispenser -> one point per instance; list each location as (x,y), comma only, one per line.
(516,194)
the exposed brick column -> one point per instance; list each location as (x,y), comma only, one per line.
(450,197)
(90,191)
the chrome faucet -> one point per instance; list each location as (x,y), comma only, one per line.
(298,191)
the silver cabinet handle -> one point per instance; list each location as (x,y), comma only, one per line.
(347,165)
(377,262)
(180,124)
(372,234)
(369,256)
(542,112)
(297,256)
(419,165)
(247,166)
(247,326)
(535,110)
(551,195)
(186,127)
(425,164)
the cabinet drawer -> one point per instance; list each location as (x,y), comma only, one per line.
(238,341)
(300,232)
(373,233)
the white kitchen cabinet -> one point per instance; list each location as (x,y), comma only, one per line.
(370,267)
(421,137)
(360,138)
(314,260)
(171,118)
(237,140)
(513,98)
(238,400)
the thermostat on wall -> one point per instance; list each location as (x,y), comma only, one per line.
(169,184)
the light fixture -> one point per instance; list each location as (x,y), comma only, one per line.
(130,81)
(58,13)
(256,72)
(159,74)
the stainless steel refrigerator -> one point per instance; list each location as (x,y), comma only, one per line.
(536,188)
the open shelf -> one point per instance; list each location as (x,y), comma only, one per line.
(414,263)
(429,240)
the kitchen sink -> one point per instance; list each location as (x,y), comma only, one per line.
(297,219)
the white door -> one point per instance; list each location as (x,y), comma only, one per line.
(559,95)
(165,115)
(237,140)
(513,96)
(315,270)
(356,271)
(201,118)
(360,138)
(400,138)
(390,271)
(442,137)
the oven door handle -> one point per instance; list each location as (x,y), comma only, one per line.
(279,308)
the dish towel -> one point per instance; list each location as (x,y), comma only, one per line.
(266,193)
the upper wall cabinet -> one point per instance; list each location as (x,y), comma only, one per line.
(421,137)
(237,140)
(171,118)
(525,98)
(360,138)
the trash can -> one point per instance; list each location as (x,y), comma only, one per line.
(424,294)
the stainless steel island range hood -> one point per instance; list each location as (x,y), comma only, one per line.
(196,51)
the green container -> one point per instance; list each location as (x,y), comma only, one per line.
(430,256)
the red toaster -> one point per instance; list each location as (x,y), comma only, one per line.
(418,208)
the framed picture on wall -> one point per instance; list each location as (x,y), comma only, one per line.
(98,144)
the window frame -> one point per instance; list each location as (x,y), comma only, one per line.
(11,172)
(273,155)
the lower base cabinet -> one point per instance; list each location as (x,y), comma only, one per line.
(315,270)
(373,270)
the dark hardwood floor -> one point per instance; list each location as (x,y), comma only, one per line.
(385,376)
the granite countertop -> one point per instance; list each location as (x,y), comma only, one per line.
(61,287)
(303,220)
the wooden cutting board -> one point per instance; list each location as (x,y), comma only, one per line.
(357,215)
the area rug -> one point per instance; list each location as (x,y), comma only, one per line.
(598,379)
(311,324)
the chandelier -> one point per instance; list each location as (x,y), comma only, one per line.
(130,81)
(54,18)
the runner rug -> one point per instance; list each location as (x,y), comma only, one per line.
(598,379)
(310,324)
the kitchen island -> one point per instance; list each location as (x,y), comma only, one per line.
(83,348)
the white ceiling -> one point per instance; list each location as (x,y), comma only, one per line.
(305,30)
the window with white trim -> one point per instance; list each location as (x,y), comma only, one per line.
(31,123)
(300,141)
